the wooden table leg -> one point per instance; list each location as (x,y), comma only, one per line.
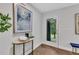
(32,47)
(13,49)
(23,49)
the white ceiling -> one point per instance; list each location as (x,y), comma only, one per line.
(46,7)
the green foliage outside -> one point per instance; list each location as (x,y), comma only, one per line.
(53,27)
(4,22)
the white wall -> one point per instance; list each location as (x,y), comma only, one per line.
(66,26)
(7,37)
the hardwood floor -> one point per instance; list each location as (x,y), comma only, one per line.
(48,50)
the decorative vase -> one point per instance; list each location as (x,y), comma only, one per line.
(27,34)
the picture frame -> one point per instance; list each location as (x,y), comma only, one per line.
(22,19)
(77,23)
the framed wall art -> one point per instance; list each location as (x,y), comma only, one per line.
(22,18)
(77,23)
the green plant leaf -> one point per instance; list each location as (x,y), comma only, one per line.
(4,22)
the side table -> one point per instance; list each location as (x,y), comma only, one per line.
(18,42)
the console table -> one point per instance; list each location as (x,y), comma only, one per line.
(18,42)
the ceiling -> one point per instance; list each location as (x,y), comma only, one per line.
(46,7)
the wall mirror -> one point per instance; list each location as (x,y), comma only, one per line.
(51,30)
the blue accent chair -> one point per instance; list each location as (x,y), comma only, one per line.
(74,45)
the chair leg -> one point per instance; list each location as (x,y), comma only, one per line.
(75,50)
(72,49)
